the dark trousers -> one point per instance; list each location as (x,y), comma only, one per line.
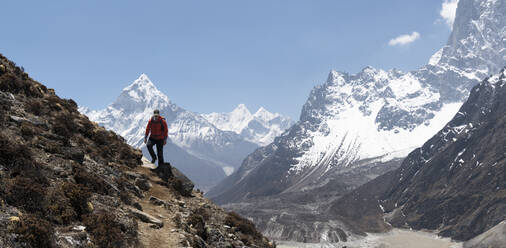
(159,149)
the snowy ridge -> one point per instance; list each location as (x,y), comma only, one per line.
(385,114)
(355,123)
(260,128)
(129,113)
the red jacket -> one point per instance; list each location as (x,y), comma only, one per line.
(158,128)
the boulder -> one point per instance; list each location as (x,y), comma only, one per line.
(146,217)
(181,183)
(156,201)
(143,184)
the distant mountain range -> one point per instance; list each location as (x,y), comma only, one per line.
(204,147)
(355,127)
(260,128)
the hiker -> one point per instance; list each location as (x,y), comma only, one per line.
(158,133)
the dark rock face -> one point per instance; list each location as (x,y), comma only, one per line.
(181,183)
(455,183)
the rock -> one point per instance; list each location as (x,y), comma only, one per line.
(156,226)
(213,235)
(181,183)
(137,206)
(132,175)
(89,207)
(75,154)
(181,204)
(79,228)
(72,239)
(17,118)
(164,171)
(156,201)
(143,184)
(34,121)
(146,217)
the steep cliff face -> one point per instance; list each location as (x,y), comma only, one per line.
(455,183)
(66,182)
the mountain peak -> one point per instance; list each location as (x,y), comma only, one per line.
(142,81)
(142,90)
(264,114)
(143,78)
(334,76)
(242,109)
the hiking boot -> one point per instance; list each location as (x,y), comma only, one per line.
(153,160)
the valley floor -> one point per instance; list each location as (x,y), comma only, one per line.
(397,238)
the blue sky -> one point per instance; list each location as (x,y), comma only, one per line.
(209,56)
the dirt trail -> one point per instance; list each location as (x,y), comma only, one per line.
(167,236)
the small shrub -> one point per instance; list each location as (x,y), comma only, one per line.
(106,231)
(28,130)
(198,223)
(177,221)
(100,137)
(93,182)
(64,125)
(78,197)
(26,193)
(58,207)
(87,129)
(35,231)
(35,107)
(203,212)
(243,225)
(14,155)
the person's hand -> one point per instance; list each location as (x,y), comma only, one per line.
(145,140)
(165,142)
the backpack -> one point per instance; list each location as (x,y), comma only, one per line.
(160,119)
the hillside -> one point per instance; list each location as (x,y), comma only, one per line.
(66,182)
(454,184)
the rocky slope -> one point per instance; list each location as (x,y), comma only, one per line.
(455,183)
(202,151)
(364,124)
(260,128)
(66,182)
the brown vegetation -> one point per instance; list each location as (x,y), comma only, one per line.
(244,226)
(107,231)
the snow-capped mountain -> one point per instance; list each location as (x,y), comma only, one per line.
(452,184)
(260,128)
(353,120)
(202,151)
